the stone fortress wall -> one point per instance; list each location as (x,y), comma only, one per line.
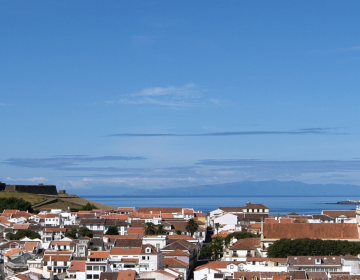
(37,189)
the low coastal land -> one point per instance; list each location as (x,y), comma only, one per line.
(63,201)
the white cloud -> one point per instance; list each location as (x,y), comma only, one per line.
(187,95)
(34,179)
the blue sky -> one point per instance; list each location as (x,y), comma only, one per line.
(154,94)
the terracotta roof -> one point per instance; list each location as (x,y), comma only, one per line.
(167,216)
(49,252)
(181,236)
(51,215)
(99,254)
(310,260)
(12,252)
(311,230)
(255,226)
(236,209)
(323,217)
(120,236)
(77,266)
(128,242)
(133,230)
(21,226)
(130,260)
(126,275)
(337,213)
(125,209)
(161,209)
(172,262)
(188,211)
(29,246)
(22,277)
(125,251)
(255,206)
(181,245)
(177,252)
(317,275)
(115,216)
(109,275)
(217,265)
(60,242)
(246,244)
(57,258)
(54,229)
(24,214)
(10,211)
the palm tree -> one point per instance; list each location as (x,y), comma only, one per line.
(217,226)
(160,230)
(149,228)
(191,226)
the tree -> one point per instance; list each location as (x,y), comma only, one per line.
(217,226)
(84,231)
(23,233)
(88,207)
(191,226)
(15,203)
(217,247)
(178,232)
(206,251)
(312,247)
(72,233)
(112,231)
(160,230)
(239,235)
(149,228)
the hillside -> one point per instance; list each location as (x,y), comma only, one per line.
(64,201)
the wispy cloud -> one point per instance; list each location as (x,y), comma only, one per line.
(187,95)
(285,166)
(303,131)
(34,179)
(354,48)
(63,161)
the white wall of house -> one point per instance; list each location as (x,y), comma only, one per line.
(158,241)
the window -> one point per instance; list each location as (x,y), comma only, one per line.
(96,276)
(89,276)
(143,258)
(89,267)
(231,266)
(96,267)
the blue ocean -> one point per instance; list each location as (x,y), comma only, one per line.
(277,204)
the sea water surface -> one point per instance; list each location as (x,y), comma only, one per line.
(277,204)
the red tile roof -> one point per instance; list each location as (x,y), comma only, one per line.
(77,266)
(246,244)
(311,230)
(337,213)
(126,275)
(99,254)
(172,262)
(125,251)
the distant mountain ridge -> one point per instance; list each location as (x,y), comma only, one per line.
(251,188)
